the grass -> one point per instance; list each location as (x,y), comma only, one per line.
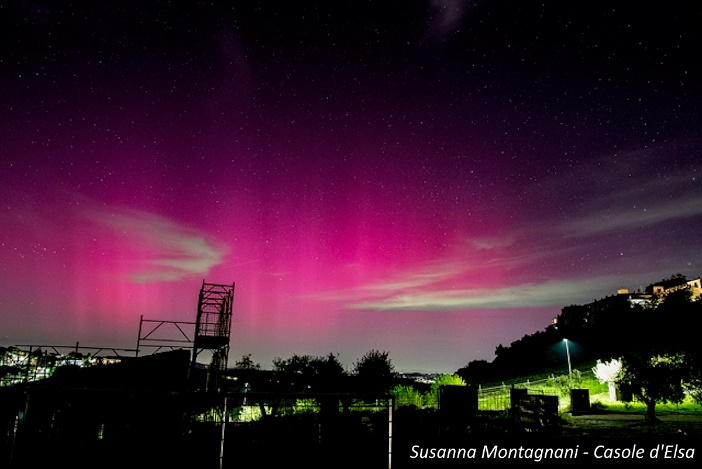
(687,407)
(599,397)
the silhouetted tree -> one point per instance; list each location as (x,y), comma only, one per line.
(329,377)
(294,374)
(375,372)
(329,374)
(476,371)
(531,353)
(248,374)
(246,363)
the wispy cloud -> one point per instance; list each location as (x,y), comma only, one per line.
(556,258)
(523,267)
(640,188)
(428,275)
(552,293)
(647,210)
(170,251)
(441,285)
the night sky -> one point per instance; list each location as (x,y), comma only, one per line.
(430,178)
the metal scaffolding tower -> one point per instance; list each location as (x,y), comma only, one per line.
(211,333)
(213,329)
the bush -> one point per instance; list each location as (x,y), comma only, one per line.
(407,396)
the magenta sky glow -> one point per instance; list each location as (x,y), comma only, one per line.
(433,179)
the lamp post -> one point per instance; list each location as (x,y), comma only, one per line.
(570,370)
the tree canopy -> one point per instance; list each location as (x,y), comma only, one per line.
(375,372)
(653,379)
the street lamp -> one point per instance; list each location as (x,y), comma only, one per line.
(570,370)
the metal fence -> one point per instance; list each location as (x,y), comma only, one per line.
(497,398)
(81,428)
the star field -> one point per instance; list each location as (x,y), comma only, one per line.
(431,178)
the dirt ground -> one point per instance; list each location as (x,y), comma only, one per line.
(633,425)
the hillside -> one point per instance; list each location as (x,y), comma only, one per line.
(660,316)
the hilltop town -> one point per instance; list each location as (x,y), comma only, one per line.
(591,313)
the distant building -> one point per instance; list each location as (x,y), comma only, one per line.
(695,287)
(591,313)
(635,298)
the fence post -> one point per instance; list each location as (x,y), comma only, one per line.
(225,417)
(391,404)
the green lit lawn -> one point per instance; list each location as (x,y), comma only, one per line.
(688,406)
(599,399)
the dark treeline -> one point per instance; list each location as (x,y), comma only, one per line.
(373,373)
